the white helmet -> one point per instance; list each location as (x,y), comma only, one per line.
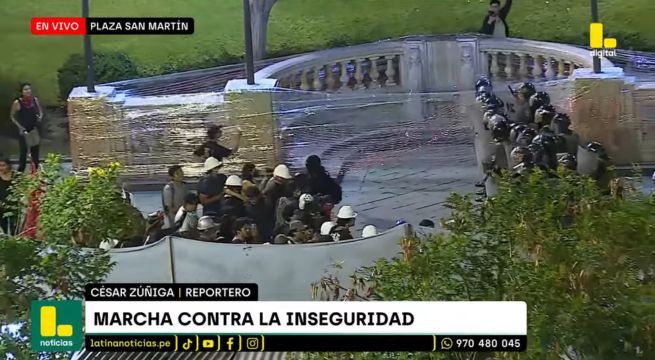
(346,212)
(211,164)
(206,223)
(304,200)
(233,180)
(327,227)
(369,230)
(282,171)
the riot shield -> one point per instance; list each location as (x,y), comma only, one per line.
(588,162)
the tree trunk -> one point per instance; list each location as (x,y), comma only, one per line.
(260,10)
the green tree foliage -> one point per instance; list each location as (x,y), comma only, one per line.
(582,259)
(108,67)
(75,215)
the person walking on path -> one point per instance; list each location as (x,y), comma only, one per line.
(26,114)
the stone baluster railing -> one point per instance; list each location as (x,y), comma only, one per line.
(360,67)
(525,60)
(352,74)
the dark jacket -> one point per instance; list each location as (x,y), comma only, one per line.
(232,206)
(320,183)
(261,215)
(504,11)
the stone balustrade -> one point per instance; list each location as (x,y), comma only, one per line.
(353,68)
(428,63)
(523,60)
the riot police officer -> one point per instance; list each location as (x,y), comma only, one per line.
(544,116)
(522,108)
(561,124)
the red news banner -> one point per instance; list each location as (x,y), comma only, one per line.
(112,26)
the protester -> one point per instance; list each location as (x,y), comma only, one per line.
(324,234)
(174,192)
(345,220)
(207,229)
(255,209)
(26,114)
(495,23)
(245,232)
(249,175)
(233,201)
(7,178)
(369,230)
(319,180)
(211,187)
(211,147)
(186,220)
(155,230)
(277,186)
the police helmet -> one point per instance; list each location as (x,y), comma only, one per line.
(539,99)
(597,148)
(516,131)
(500,129)
(493,102)
(544,115)
(521,154)
(527,88)
(568,161)
(526,136)
(482,81)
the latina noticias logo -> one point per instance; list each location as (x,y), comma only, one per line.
(57,325)
(600,46)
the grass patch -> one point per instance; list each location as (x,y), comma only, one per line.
(295,26)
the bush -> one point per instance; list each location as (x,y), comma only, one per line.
(203,60)
(108,67)
(580,258)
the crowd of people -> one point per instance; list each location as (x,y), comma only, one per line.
(255,207)
(535,135)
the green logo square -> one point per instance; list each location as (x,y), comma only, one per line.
(57,325)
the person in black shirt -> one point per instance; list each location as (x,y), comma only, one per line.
(211,147)
(232,202)
(26,114)
(211,186)
(7,178)
(319,181)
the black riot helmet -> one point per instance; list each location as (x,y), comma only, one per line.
(568,161)
(539,99)
(482,97)
(482,81)
(526,136)
(499,128)
(494,102)
(544,115)
(521,154)
(516,131)
(562,122)
(527,89)
(597,148)
(547,140)
(537,150)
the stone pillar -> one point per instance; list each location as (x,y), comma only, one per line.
(250,107)
(93,120)
(469,54)
(599,113)
(412,66)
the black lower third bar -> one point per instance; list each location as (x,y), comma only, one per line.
(306,343)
